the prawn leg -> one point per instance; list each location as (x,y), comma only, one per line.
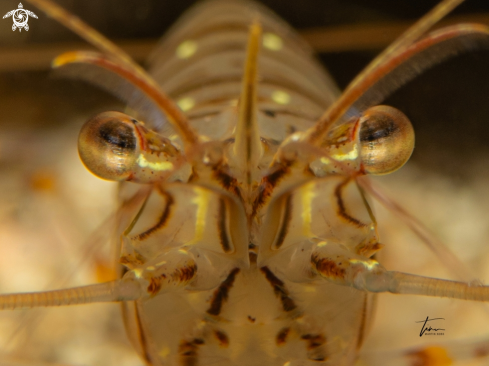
(177,270)
(342,267)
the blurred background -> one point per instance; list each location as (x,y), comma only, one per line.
(50,206)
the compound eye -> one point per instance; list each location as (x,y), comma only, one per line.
(386,138)
(108,145)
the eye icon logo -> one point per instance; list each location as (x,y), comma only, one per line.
(20,17)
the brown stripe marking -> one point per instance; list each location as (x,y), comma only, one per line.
(281,337)
(228,182)
(369,248)
(222,227)
(268,183)
(328,267)
(341,205)
(284,228)
(162,220)
(279,289)
(189,351)
(183,274)
(221,293)
(155,284)
(133,259)
(222,338)
(313,342)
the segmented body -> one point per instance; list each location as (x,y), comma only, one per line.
(255,316)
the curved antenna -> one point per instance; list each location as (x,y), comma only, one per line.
(175,115)
(98,69)
(435,48)
(361,82)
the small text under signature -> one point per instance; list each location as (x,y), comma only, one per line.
(427,328)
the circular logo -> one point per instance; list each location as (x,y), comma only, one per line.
(20,18)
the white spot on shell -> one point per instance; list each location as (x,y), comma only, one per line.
(272,42)
(281,97)
(186,49)
(186,103)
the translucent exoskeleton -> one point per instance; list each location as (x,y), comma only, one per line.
(244,232)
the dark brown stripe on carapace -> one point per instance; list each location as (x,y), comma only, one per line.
(313,341)
(222,227)
(155,284)
(222,338)
(184,274)
(341,205)
(180,275)
(221,293)
(161,221)
(188,351)
(281,337)
(268,183)
(228,182)
(284,228)
(328,268)
(313,344)
(279,289)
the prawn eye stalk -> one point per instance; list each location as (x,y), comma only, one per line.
(115,146)
(386,139)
